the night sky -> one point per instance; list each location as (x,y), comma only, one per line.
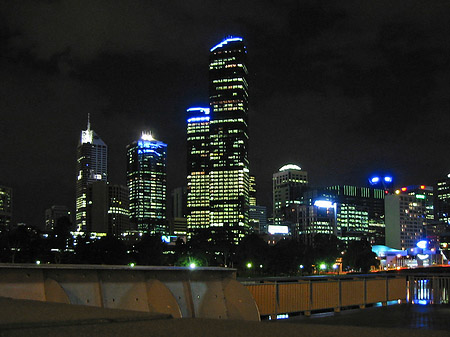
(342,88)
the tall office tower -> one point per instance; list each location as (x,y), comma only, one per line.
(442,201)
(92,165)
(146,180)
(405,220)
(258,218)
(54,213)
(352,222)
(289,184)
(108,209)
(229,164)
(198,192)
(5,206)
(178,221)
(365,199)
(252,192)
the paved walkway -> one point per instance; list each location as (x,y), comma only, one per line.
(33,318)
(404,316)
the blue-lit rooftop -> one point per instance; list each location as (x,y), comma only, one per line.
(226,41)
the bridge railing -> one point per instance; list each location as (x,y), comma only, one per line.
(285,296)
(428,288)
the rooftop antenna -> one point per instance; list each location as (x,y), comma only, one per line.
(89,121)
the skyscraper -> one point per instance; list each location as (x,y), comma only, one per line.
(288,185)
(229,165)
(92,165)
(146,180)
(5,206)
(197,169)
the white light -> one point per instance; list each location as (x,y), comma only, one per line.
(192,265)
(87,136)
(147,136)
(323,203)
(290,167)
(38,262)
(278,229)
(422,244)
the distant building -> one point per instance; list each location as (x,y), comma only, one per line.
(319,218)
(229,137)
(252,192)
(258,218)
(92,165)
(147,184)
(54,213)
(178,220)
(405,220)
(363,199)
(198,186)
(107,210)
(288,184)
(442,201)
(5,206)
(352,222)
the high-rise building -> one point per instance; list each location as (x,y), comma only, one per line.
(252,192)
(108,209)
(228,146)
(352,222)
(289,184)
(442,201)
(92,165)
(405,220)
(54,213)
(147,184)
(5,206)
(198,189)
(365,199)
(258,218)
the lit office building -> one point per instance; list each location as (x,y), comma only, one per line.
(92,165)
(178,221)
(5,206)
(108,209)
(442,201)
(289,184)
(405,220)
(229,165)
(258,218)
(352,222)
(365,199)
(53,214)
(318,218)
(252,191)
(146,180)
(198,189)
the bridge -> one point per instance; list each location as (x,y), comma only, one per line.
(115,295)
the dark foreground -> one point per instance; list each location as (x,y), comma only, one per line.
(403,316)
(33,318)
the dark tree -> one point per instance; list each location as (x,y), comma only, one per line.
(359,256)
(149,251)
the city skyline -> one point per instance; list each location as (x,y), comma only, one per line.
(342,90)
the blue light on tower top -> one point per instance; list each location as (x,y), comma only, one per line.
(224,42)
(198,114)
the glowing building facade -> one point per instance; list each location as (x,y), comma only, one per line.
(442,201)
(147,184)
(405,220)
(288,185)
(198,169)
(5,206)
(92,165)
(228,147)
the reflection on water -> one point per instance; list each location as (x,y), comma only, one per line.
(426,290)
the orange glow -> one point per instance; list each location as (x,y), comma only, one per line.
(422,187)
(404,189)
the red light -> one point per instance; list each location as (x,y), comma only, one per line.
(422,187)
(386,192)
(404,189)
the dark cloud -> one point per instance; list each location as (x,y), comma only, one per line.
(340,87)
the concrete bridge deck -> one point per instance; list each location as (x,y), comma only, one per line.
(36,318)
